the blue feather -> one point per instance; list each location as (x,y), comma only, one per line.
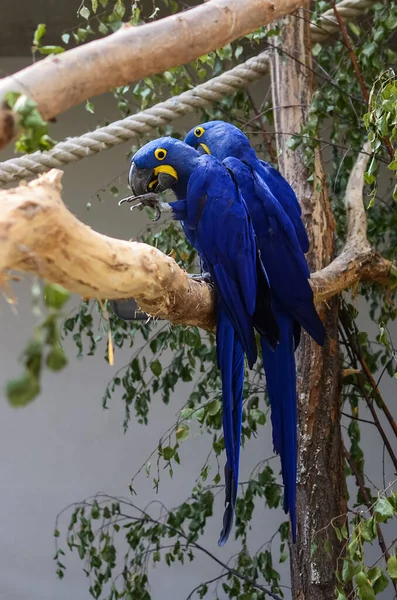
(230,357)
(285,195)
(281,386)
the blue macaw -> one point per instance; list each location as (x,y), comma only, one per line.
(282,240)
(216,222)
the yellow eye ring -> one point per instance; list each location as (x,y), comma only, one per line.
(160,153)
(198,132)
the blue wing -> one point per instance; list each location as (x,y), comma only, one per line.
(227,244)
(283,192)
(179,213)
(281,254)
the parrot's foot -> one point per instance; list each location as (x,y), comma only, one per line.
(202,277)
(150,200)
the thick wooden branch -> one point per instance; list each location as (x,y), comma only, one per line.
(358,261)
(59,82)
(40,235)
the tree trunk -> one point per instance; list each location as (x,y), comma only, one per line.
(321,494)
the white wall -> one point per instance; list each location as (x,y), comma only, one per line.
(64,447)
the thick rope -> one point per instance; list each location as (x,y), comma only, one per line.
(328,24)
(121,131)
(74,149)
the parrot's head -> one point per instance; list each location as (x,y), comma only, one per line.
(219,139)
(162,164)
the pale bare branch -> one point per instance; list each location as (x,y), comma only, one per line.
(358,261)
(348,269)
(356,217)
(40,235)
(59,82)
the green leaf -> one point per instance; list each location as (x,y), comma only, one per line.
(89,107)
(22,390)
(348,570)
(168,452)
(55,296)
(316,49)
(361,578)
(214,407)
(367,530)
(102,28)
(393,165)
(156,367)
(283,557)
(383,509)
(354,28)
(186,413)
(366,592)
(391,22)
(182,433)
(378,579)
(392,567)
(50,50)
(56,359)
(369,48)
(65,38)
(84,12)
(258,416)
(38,34)
(94,5)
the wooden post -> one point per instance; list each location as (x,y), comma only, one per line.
(321,496)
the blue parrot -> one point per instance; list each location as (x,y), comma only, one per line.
(282,240)
(216,222)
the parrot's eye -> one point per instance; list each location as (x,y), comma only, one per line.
(198,132)
(160,153)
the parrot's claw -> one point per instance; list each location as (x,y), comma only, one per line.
(150,200)
(202,277)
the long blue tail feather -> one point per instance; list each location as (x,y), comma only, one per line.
(230,356)
(281,386)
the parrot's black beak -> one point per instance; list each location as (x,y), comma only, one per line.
(142,181)
(139,180)
(165,182)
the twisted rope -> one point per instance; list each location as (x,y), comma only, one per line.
(74,149)
(328,24)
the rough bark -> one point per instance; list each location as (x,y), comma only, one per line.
(57,83)
(321,495)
